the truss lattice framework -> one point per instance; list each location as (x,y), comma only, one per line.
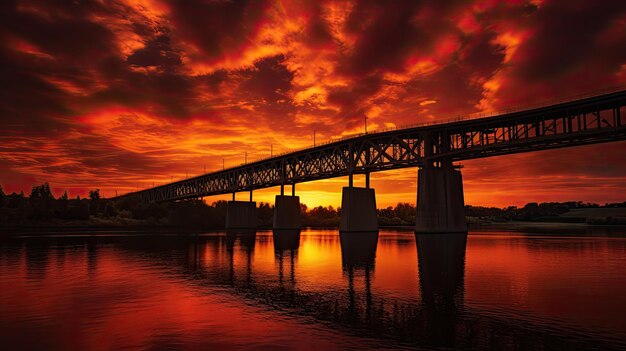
(586,121)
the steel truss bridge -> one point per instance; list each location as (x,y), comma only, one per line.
(590,120)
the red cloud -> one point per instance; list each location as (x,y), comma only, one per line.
(120,95)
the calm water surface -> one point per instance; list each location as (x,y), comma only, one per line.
(314,291)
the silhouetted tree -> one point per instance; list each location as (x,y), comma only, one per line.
(388,216)
(41,192)
(2,197)
(15,210)
(95,205)
(406,212)
(402,214)
(484,212)
(265,214)
(94,195)
(62,205)
(321,216)
(16,200)
(41,203)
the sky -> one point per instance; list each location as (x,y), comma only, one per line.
(119,94)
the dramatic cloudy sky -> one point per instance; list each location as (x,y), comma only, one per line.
(117,94)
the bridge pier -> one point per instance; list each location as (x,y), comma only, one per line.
(241,215)
(440,203)
(358,210)
(287,212)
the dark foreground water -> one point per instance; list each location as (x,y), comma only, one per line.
(493,290)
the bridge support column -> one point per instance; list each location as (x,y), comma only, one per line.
(358,210)
(440,204)
(287,212)
(241,215)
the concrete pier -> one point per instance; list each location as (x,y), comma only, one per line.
(440,204)
(287,212)
(358,210)
(241,215)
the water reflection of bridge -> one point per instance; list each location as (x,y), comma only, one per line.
(437,317)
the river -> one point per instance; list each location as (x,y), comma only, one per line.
(314,291)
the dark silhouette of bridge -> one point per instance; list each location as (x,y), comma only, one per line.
(432,148)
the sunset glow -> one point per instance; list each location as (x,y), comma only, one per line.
(121,95)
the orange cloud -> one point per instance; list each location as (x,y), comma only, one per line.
(174,87)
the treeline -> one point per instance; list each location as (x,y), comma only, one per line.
(532,211)
(42,208)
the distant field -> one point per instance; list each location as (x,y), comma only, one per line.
(595,213)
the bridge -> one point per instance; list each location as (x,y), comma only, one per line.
(431,148)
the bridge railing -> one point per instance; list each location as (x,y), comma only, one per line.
(466,117)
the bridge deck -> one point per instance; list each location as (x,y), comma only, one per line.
(590,120)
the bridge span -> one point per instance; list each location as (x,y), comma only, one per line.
(432,148)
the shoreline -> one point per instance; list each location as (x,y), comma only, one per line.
(158,229)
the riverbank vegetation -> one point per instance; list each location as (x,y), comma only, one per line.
(41,208)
